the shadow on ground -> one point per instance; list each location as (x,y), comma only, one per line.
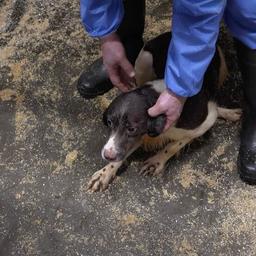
(50,142)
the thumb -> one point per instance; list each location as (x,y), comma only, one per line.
(155,110)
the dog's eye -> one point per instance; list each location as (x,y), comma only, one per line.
(109,122)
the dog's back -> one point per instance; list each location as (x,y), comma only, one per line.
(153,57)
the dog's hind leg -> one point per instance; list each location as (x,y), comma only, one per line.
(155,165)
(144,71)
(229,114)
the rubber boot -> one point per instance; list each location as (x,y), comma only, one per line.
(94,80)
(247,152)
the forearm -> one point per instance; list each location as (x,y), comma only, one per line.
(101,17)
(194,34)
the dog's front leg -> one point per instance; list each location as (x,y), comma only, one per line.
(155,165)
(102,178)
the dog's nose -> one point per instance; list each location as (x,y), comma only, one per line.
(109,154)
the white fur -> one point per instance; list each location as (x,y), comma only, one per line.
(158,85)
(110,145)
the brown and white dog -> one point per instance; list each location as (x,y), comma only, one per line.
(132,127)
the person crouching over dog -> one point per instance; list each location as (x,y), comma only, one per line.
(195,26)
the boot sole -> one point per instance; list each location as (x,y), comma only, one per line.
(243,176)
(89,93)
(92,96)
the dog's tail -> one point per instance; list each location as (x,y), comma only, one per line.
(223,71)
(208,122)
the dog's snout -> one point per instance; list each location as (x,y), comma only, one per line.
(109,151)
(109,154)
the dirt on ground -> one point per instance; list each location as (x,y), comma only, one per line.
(50,143)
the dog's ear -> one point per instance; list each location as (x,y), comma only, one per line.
(155,125)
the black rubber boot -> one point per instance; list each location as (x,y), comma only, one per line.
(94,80)
(247,152)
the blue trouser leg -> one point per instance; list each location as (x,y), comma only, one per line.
(240,17)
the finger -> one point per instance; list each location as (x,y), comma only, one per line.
(168,124)
(127,74)
(126,80)
(127,68)
(122,87)
(114,76)
(156,110)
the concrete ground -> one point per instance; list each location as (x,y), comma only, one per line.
(50,142)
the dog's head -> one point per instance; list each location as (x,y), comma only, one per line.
(128,119)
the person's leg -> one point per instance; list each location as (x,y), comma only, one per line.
(241,19)
(247,152)
(94,80)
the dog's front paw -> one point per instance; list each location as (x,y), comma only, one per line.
(153,166)
(100,180)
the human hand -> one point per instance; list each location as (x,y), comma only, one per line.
(120,70)
(170,105)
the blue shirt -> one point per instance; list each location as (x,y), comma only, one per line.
(195,28)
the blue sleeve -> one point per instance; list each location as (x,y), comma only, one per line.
(195,29)
(101,17)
